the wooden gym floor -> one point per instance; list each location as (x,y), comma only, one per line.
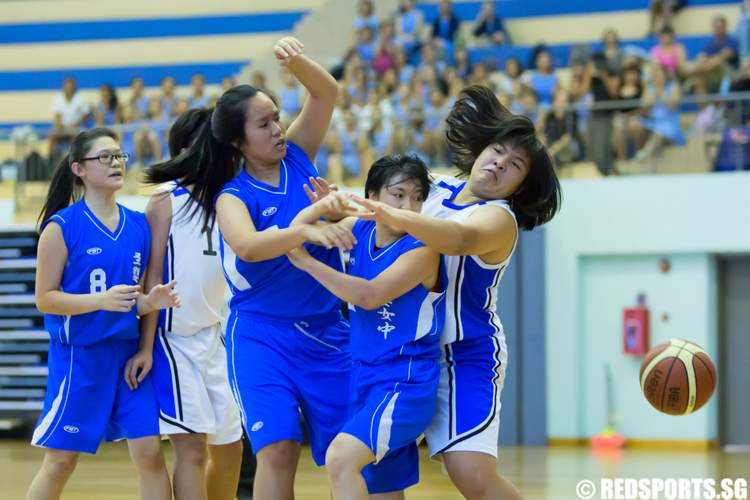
(544,473)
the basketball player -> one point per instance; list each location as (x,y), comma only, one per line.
(397,299)
(286,343)
(190,364)
(474,223)
(90,261)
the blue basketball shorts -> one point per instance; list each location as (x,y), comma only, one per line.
(88,400)
(279,370)
(392,405)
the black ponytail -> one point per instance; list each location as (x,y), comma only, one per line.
(66,187)
(213,159)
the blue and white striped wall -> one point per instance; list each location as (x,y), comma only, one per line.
(111,41)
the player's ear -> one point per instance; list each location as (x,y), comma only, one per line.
(76,168)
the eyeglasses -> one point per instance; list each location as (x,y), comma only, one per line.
(108,158)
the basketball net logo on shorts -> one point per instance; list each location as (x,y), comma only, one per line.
(136,267)
(386,327)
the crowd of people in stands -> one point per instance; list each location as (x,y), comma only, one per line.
(402,74)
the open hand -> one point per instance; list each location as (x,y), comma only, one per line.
(164,296)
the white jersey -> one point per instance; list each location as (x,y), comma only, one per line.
(471,299)
(192,259)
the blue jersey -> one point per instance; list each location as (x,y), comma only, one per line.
(409,325)
(472,283)
(274,288)
(99,259)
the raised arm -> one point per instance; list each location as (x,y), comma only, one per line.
(309,129)
(418,266)
(490,232)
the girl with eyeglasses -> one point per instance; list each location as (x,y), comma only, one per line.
(91,259)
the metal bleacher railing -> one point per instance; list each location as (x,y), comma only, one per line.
(23,341)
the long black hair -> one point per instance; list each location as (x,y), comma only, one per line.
(184,131)
(478,120)
(213,159)
(411,167)
(66,187)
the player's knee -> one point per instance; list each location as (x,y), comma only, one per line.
(280,456)
(225,455)
(60,465)
(147,454)
(192,452)
(338,461)
(474,482)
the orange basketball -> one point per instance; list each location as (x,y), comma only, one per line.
(677,377)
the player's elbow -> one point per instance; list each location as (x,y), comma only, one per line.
(370,299)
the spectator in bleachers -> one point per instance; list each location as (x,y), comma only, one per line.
(612,51)
(344,162)
(383,60)
(228,83)
(602,85)
(107,111)
(376,104)
(69,111)
(662,123)
(461,62)
(409,26)
(526,102)
(150,142)
(198,96)
(560,130)
(168,96)
(742,33)
(445,27)
(661,13)
(488,27)
(669,53)
(511,79)
(366,44)
(715,64)
(404,68)
(625,125)
(543,79)
(290,98)
(480,75)
(380,136)
(365,16)
(138,99)
(258,80)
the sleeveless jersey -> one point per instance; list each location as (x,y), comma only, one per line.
(471,298)
(99,259)
(274,288)
(192,259)
(409,325)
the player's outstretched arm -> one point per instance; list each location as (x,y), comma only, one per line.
(489,230)
(309,129)
(162,296)
(239,232)
(412,268)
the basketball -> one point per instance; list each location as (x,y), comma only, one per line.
(677,377)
